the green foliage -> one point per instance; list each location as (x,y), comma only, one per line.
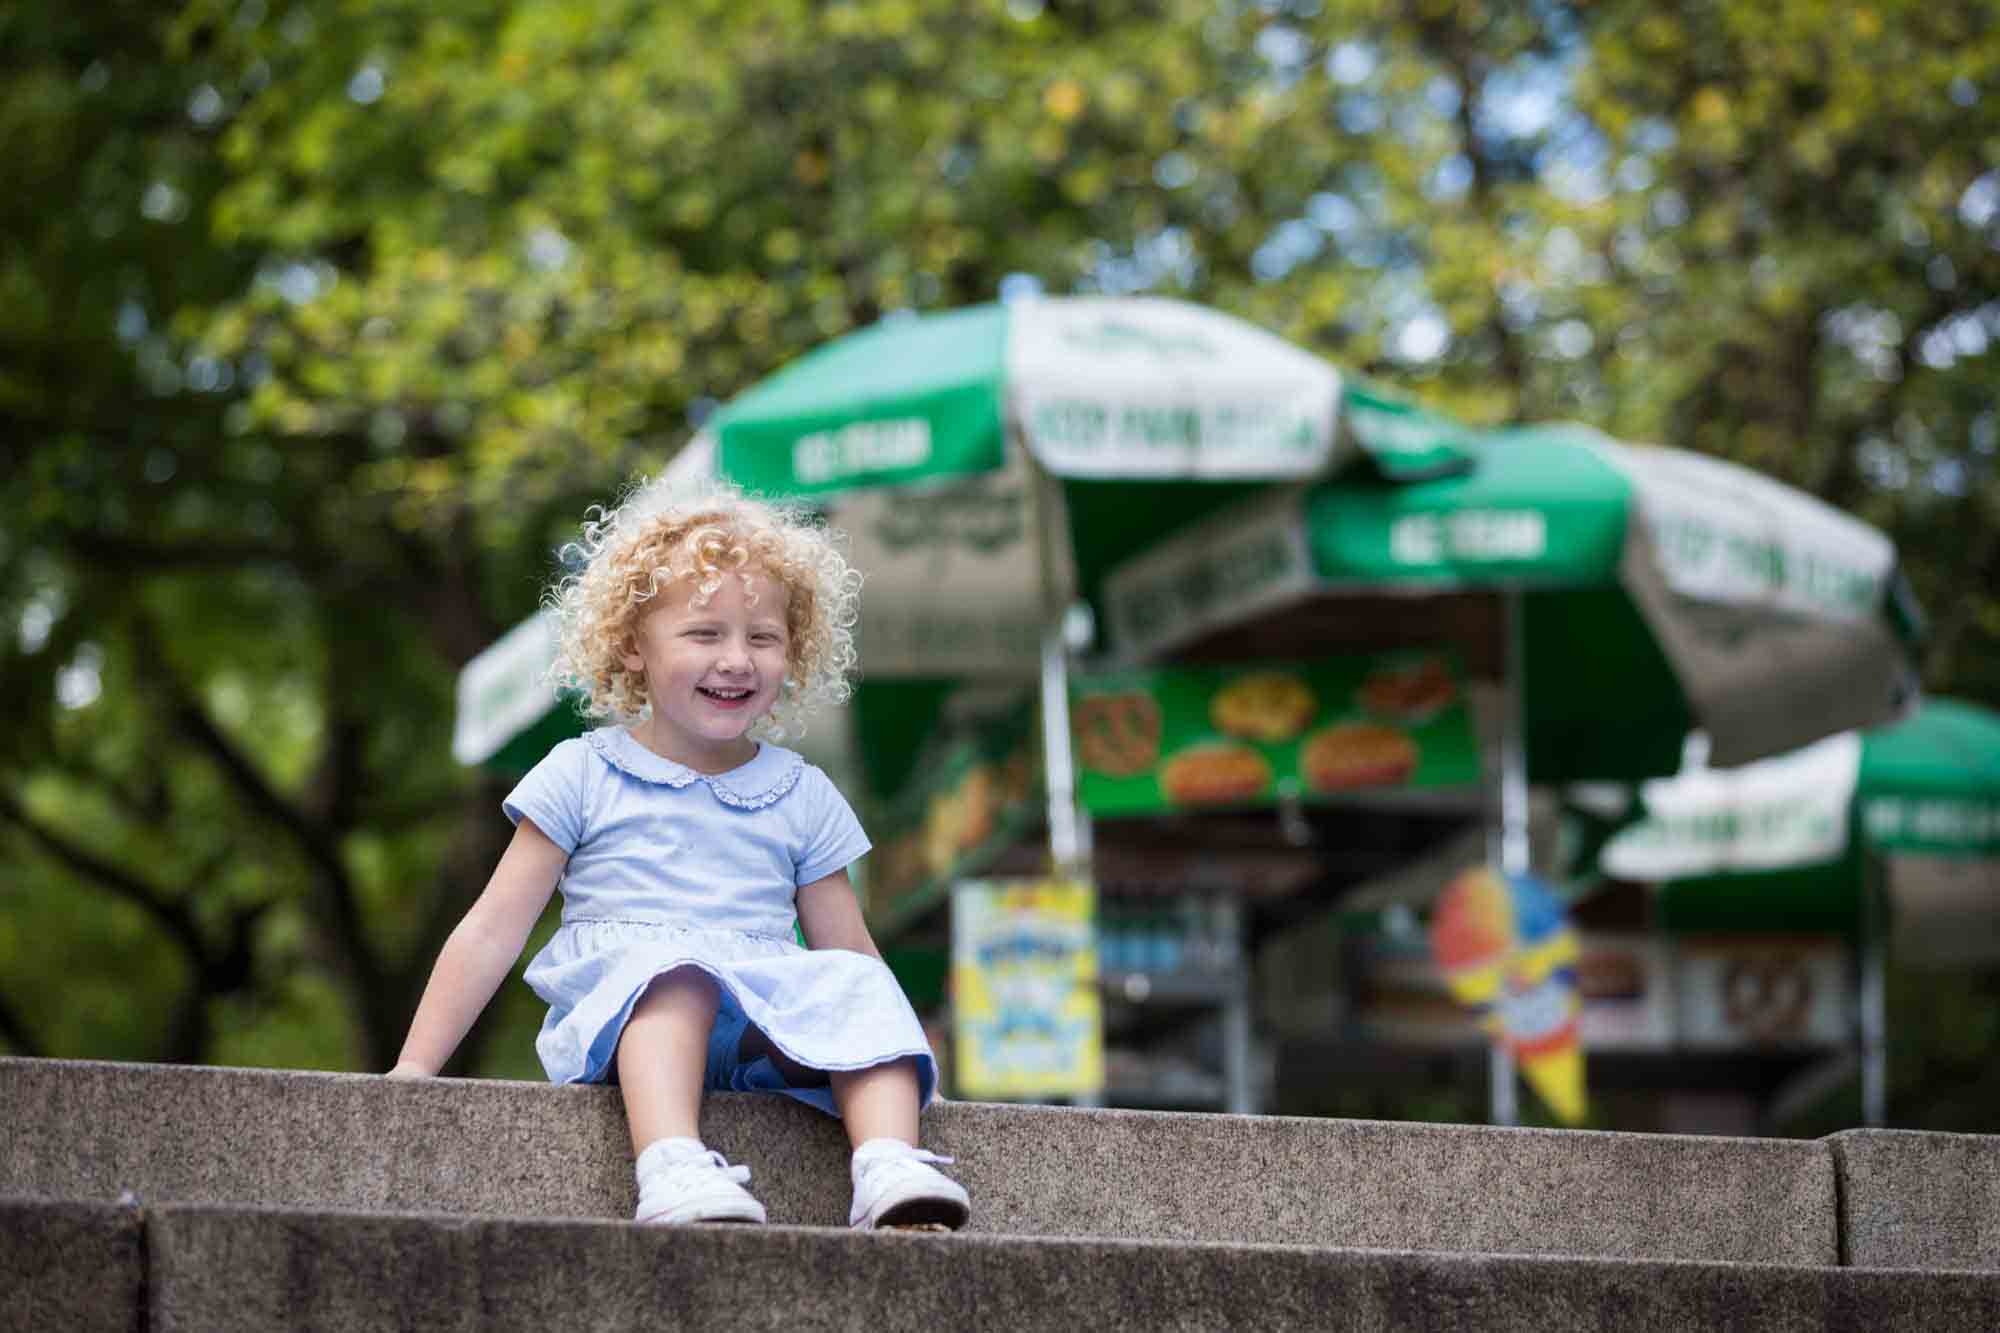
(324,321)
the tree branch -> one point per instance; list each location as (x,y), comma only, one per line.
(172,916)
(214,972)
(120,554)
(1975,578)
(335,887)
(194,723)
(1840,484)
(1470,69)
(15,1032)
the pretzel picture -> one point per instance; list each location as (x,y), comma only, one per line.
(1118,734)
(1767,996)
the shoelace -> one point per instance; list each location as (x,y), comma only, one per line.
(707,1161)
(870,1165)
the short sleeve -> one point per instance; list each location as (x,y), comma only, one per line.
(552,795)
(834,838)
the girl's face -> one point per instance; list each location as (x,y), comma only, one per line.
(710,670)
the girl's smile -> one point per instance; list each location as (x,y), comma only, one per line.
(711,671)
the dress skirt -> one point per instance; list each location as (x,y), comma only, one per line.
(825,1009)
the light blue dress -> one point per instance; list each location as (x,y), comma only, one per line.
(668,868)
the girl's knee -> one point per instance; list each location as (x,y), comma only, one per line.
(889,1074)
(683,990)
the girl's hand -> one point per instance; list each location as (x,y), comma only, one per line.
(408,1070)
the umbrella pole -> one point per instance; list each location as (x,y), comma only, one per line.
(1874,998)
(1511,850)
(1507,836)
(1067,834)
(1059,770)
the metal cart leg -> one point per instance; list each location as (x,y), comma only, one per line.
(1239,1087)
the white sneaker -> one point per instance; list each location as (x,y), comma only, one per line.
(680,1180)
(895,1185)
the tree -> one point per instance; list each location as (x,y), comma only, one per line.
(1815,254)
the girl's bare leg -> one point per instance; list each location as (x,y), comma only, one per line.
(662,1055)
(895,1184)
(879,1102)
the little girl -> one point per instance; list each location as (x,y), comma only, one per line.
(686,850)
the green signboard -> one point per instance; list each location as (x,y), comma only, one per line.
(1188,737)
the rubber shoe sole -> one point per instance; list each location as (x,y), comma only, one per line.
(918,1204)
(924,1215)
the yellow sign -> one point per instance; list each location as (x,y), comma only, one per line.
(1026,1020)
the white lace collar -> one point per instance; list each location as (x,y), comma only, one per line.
(771,773)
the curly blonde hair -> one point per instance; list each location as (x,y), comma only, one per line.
(661,535)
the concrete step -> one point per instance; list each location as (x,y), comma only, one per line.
(1910,1200)
(76,1266)
(221,1268)
(91,1131)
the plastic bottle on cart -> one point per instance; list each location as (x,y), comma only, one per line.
(1222,927)
(1110,938)
(1173,938)
(1194,931)
(1152,949)
(1188,932)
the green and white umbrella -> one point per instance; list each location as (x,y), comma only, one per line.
(1783,843)
(1798,843)
(1622,596)
(1092,388)
(1655,592)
